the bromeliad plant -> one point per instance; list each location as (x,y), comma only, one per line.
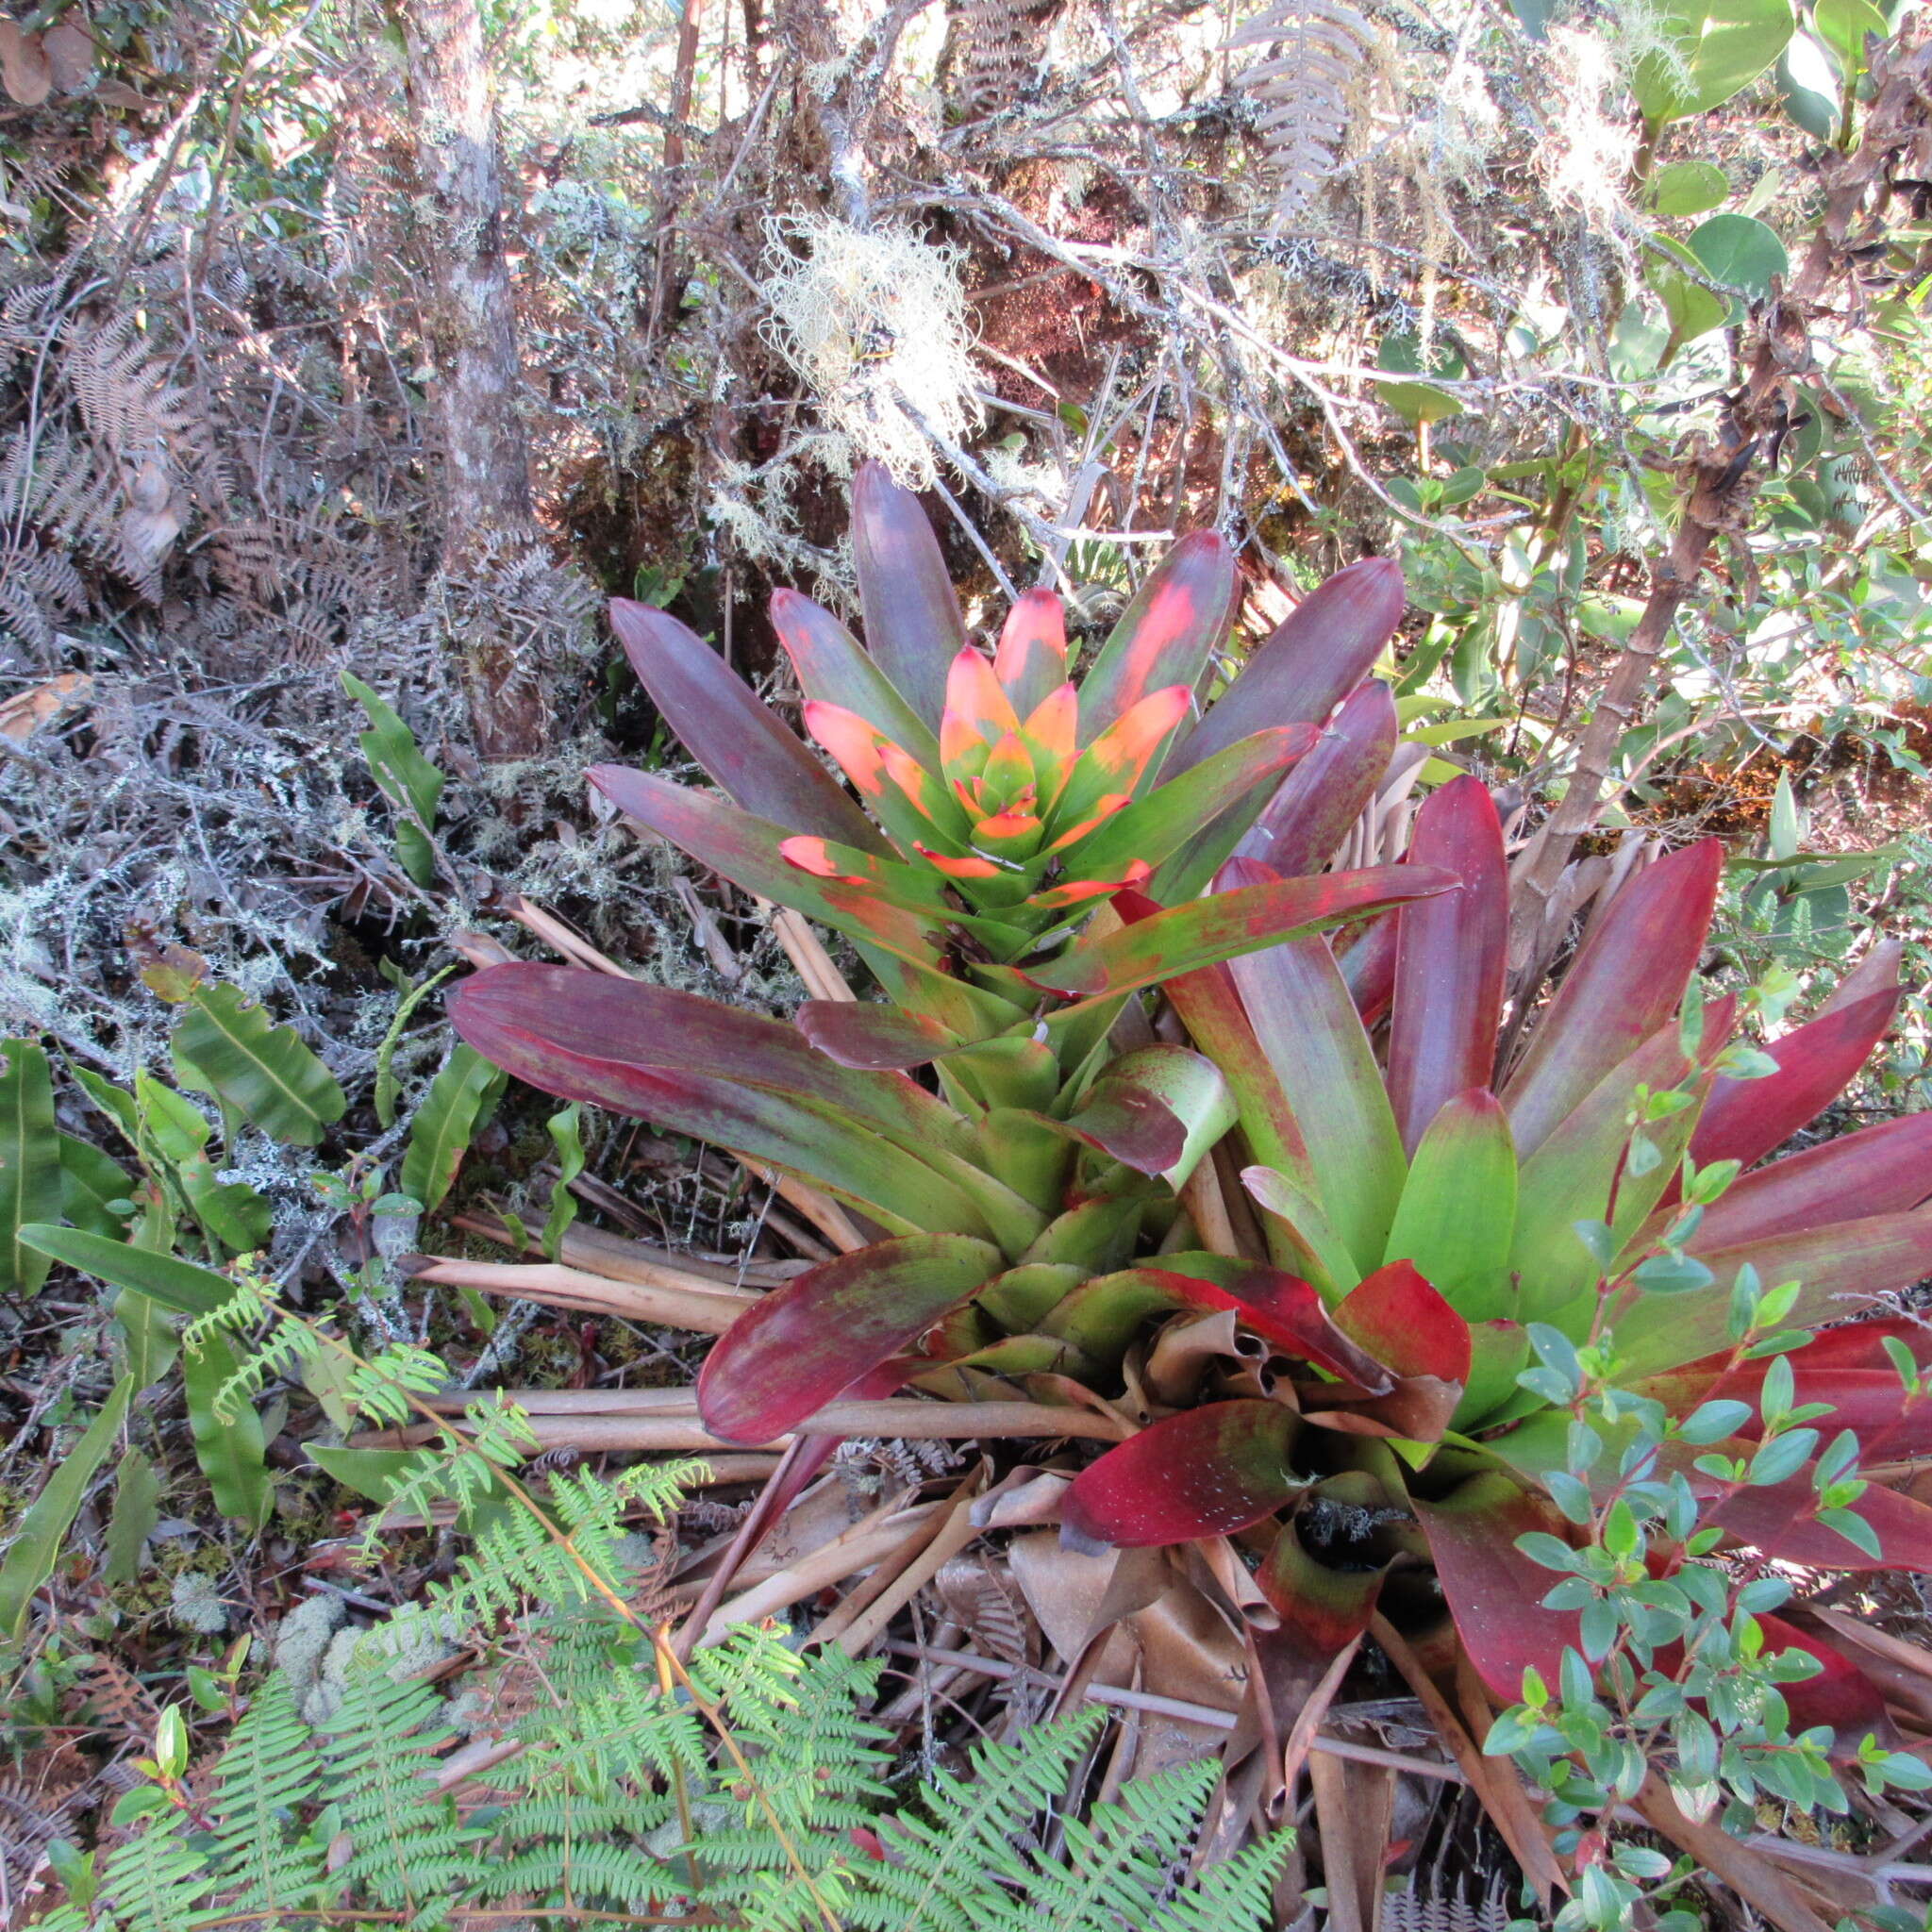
(1454,1266)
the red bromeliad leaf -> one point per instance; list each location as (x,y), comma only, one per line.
(1881,1169)
(1206,1472)
(1312,1039)
(806,1342)
(1303,825)
(740,740)
(1031,661)
(1781,1521)
(1745,1119)
(1319,652)
(1400,1320)
(1493,1591)
(1368,968)
(1104,1314)
(1165,634)
(859,1033)
(833,669)
(1843,1267)
(1205,931)
(1846,1367)
(1449,962)
(1625,984)
(912,624)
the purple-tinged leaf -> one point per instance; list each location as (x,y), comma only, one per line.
(1368,968)
(833,669)
(1449,959)
(1156,1109)
(1781,1521)
(1206,1472)
(1626,981)
(1303,825)
(801,1135)
(912,624)
(1885,1169)
(746,850)
(1745,1119)
(597,1017)
(764,767)
(1165,634)
(1493,1591)
(808,1341)
(1311,1037)
(859,1033)
(1314,658)
(1457,1215)
(1844,1267)
(1847,1367)
(1180,939)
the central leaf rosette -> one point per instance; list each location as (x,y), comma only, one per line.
(1024,823)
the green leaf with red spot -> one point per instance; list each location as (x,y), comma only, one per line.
(912,624)
(1313,659)
(1626,983)
(745,850)
(1225,926)
(1167,817)
(1449,960)
(739,740)
(1493,1591)
(808,1341)
(1166,634)
(1206,1472)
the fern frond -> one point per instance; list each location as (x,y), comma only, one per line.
(406,1847)
(1236,1896)
(156,1880)
(1301,91)
(268,1772)
(949,1864)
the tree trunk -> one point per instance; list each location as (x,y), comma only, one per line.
(491,523)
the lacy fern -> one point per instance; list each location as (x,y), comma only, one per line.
(621,1802)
